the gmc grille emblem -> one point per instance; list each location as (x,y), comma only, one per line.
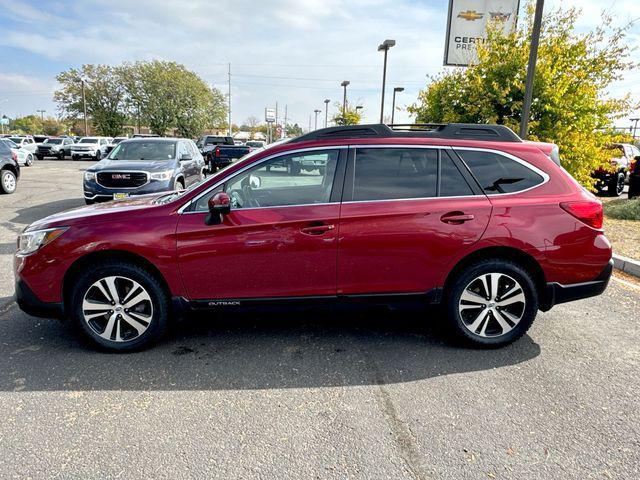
(121,176)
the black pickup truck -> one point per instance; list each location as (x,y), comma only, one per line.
(218,151)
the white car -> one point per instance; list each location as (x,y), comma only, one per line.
(25,157)
(91,147)
(28,143)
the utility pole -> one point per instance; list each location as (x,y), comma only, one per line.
(384,46)
(84,107)
(41,112)
(326,111)
(229,98)
(635,126)
(531,69)
(316,111)
(284,127)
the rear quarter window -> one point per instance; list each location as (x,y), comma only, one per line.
(497,173)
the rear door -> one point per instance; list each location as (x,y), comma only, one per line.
(406,212)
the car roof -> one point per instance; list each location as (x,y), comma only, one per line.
(153,139)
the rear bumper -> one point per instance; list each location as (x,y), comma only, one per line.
(557,293)
(32,305)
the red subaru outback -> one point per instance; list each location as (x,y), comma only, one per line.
(466,216)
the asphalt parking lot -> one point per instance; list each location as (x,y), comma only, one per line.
(314,394)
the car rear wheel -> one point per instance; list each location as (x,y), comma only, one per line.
(98,155)
(179,185)
(28,161)
(120,306)
(616,185)
(492,303)
(8,181)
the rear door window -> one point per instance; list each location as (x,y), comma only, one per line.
(395,173)
(452,183)
(499,174)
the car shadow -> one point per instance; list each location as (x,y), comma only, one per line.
(31,214)
(246,352)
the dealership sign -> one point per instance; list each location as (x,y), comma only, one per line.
(467,26)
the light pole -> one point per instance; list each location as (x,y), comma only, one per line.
(635,126)
(316,111)
(326,111)
(358,107)
(384,46)
(41,112)
(393,104)
(344,100)
(84,107)
(531,69)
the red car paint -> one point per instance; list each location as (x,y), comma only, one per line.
(398,246)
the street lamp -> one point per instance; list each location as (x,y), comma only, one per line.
(326,111)
(358,107)
(384,46)
(635,126)
(41,112)
(316,111)
(393,104)
(344,99)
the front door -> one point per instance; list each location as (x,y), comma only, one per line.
(280,239)
(407,213)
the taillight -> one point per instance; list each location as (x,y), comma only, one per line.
(589,212)
(14,157)
(216,152)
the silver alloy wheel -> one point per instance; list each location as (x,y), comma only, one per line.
(492,304)
(29,161)
(117,308)
(8,181)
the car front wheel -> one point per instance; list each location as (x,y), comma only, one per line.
(492,303)
(120,306)
(28,161)
(8,181)
(616,185)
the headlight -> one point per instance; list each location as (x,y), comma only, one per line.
(166,175)
(88,176)
(29,242)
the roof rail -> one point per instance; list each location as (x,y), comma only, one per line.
(459,131)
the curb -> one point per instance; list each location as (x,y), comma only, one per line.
(627,265)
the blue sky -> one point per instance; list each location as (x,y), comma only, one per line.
(294,52)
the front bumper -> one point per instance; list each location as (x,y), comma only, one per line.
(95,192)
(83,153)
(32,305)
(557,293)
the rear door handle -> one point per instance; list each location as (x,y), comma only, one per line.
(317,229)
(456,218)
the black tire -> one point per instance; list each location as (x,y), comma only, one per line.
(89,202)
(159,301)
(508,271)
(98,155)
(294,169)
(61,155)
(39,157)
(616,185)
(28,161)
(8,181)
(179,185)
(75,158)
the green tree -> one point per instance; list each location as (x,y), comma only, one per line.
(294,130)
(570,103)
(29,124)
(350,116)
(104,92)
(167,95)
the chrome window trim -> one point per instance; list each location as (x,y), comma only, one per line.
(123,171)
(182,209)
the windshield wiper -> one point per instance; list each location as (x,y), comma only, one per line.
(497,185)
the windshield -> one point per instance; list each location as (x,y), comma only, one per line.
(15,139)
(144,150)
(89,140)
(9,143)
(118,140)
(254,144)
(214,140)
(55,141)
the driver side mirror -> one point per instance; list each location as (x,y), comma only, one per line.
(185,157)
(219,205)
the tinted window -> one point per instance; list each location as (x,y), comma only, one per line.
(498,174)
(394,173)
(294,179)
(89,140)
(452,183)
(54,141)
(4,149)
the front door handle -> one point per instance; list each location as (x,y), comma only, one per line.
(456,218)
(317,229)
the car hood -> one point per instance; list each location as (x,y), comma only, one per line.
(84,144)
(140,165)
(99,212)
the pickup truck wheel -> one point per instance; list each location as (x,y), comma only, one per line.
(120,306)
(491,304)
(616,185)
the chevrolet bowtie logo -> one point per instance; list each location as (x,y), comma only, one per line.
(470,15)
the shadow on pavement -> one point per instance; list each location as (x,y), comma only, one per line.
(243,352)
(31,214)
